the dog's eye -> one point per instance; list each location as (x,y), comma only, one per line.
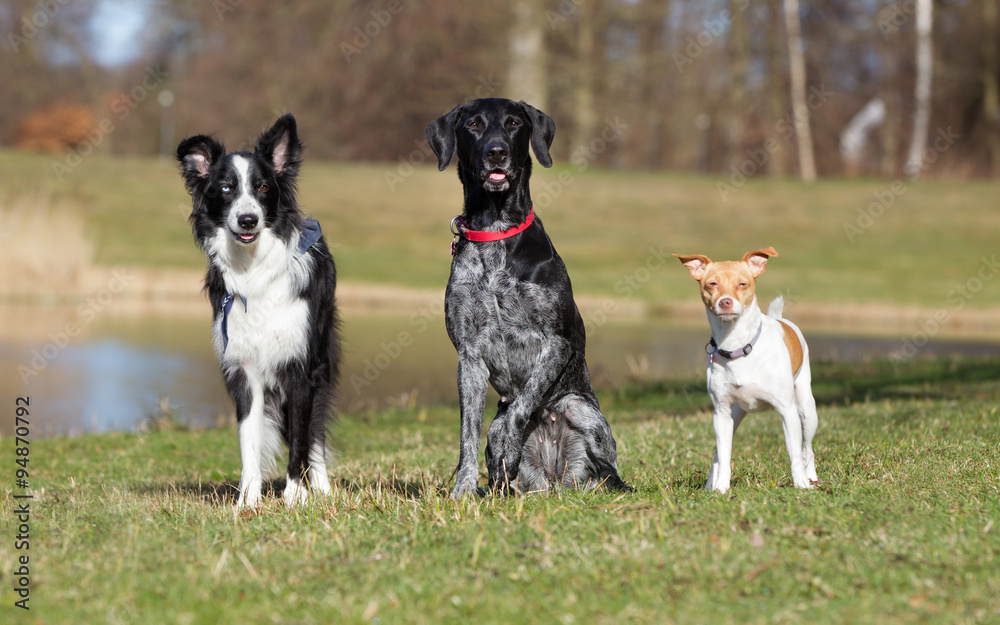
(514,123)
(473,124)
(226,188)
(713,284)
(262,188)
(744,285)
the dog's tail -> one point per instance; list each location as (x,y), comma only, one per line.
(776,308)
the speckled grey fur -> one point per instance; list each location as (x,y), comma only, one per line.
(511,316)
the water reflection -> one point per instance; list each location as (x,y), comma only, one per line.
(117,373)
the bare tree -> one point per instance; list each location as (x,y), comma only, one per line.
(738,65)
(584,112)
(991,91)
(526,78)
(889,91)
(800,110)
(922,92)
(777,97)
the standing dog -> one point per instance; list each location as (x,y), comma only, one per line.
(756,362)
(271,282)
(510,313)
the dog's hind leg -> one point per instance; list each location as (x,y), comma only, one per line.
(589,452)
(806,405)
(793,428)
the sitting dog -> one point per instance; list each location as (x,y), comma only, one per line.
(271,281)
(510,314)
(756,362)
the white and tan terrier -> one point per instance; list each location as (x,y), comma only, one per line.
(756,362)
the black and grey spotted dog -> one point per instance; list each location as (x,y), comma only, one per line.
(510,313)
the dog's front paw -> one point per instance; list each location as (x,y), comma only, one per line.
(251,493)
(805,483)
(295,493)
(249,502)
(466,486)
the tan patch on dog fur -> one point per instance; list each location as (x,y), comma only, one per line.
(793,345)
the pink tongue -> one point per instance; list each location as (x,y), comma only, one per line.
(497,176)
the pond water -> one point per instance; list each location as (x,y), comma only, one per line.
(95,375)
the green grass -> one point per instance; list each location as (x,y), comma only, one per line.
(137,528)
(930,238)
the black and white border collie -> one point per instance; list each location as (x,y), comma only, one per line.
(271,281)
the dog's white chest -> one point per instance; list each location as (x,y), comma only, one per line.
(270,331)
(272,328)
(739,382)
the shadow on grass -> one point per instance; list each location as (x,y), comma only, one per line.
(227,492)
(834,384)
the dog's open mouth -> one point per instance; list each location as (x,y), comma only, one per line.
(245,237)
(496,180)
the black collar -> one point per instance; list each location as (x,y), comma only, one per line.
(712,348)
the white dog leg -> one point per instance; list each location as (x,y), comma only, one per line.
(726,422)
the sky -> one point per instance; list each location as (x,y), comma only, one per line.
(116,30)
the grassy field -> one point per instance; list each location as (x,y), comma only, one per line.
(913,244)
(138,528)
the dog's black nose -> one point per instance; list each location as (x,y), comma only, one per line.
(247,222)
(496,154)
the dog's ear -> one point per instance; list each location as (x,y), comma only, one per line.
(440,134)
(696,264)
(196,156)
(281,147)
(757,260)
(543,130)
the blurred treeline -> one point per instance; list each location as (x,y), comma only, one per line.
(697,85)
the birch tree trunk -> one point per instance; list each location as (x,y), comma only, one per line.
(800,110)
(922,92)
(584,113)
(526,77)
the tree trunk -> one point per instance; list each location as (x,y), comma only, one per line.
(922,93)
(800,110)
(584,113)
(526,80)
(652,35)
(738,64)
(889,91)
(991,91)
(776,94)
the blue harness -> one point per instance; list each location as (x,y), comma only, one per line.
(309,234)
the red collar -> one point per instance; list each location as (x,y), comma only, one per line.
(482,235)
